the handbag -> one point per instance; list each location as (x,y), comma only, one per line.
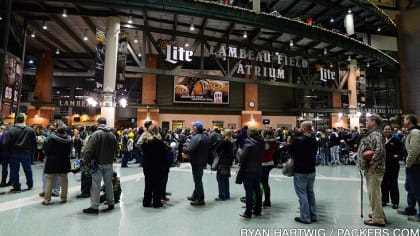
(289,167)
(239,177)
(215,161)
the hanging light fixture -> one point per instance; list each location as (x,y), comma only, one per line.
(379,29)
(349,58)
(349,23)
(380,69)
(367,64)
(331,65)
(325,51)
(291,43)
(64,13)
(331,20)
(245,35)
(85,37)
(136,39)
(192,25)
(187,45)
(57,51)
(44,26)
(33,34)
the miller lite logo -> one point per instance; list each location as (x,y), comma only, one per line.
(327,74)
(175,54)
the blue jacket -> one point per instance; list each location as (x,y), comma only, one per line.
(198,150)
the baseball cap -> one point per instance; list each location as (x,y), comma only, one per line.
(198,124)
(20,118)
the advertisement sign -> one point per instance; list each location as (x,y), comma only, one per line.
(197,90)
(100,58)
(11,80)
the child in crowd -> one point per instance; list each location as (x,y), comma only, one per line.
(116,188)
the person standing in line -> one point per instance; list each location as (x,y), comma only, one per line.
(250,163)
(225,151)
(412,168)
(198,150)
(374,168)
(268,163)
(57,150)
(20,142)
(304,149)
(154,161)
(99,154)
(394,152)
(334,143)
(4,157)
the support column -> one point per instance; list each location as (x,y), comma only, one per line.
(110,69)
(42,91)
(148,95)
(256,6)
(352,87)
(251,116)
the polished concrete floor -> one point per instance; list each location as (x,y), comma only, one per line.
(337,192)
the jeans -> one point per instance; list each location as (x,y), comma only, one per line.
(304,188)
(335,154)
(412,185)
(223,185)
(5,162)
(56,183)
(26,160)
(198,193)
(252,186)
(106,172)
(124,159)
(264,182)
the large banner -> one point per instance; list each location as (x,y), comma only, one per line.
(11,80)
(100,58)
(198,90)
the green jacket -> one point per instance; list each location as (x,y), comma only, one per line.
(101,146)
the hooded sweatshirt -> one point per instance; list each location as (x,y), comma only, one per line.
(252,155)
(101,147)
(57,149)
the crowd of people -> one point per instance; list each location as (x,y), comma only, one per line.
(256,152)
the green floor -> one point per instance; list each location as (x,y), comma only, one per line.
(337,192)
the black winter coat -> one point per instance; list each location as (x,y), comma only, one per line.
(252,155)
(304,149)
(57,149)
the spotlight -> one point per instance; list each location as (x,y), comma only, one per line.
(192,25)
(349,11)
(123,102)
(57,51)
(331,65)
(379,29)
(130,20)
(44,26)
(349,58)
(85,37)
(31,61)
(187,45)
(380,69)
(136,39)
(367,64)
(64,12)
(325,51)
(331,20)
(139,55)
(33,34)
(291,43)
(245,35)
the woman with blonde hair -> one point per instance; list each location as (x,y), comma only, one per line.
(225,151)
(154,158)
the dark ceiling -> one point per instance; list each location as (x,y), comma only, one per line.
(279,22)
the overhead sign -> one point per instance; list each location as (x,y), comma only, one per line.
(198,90)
